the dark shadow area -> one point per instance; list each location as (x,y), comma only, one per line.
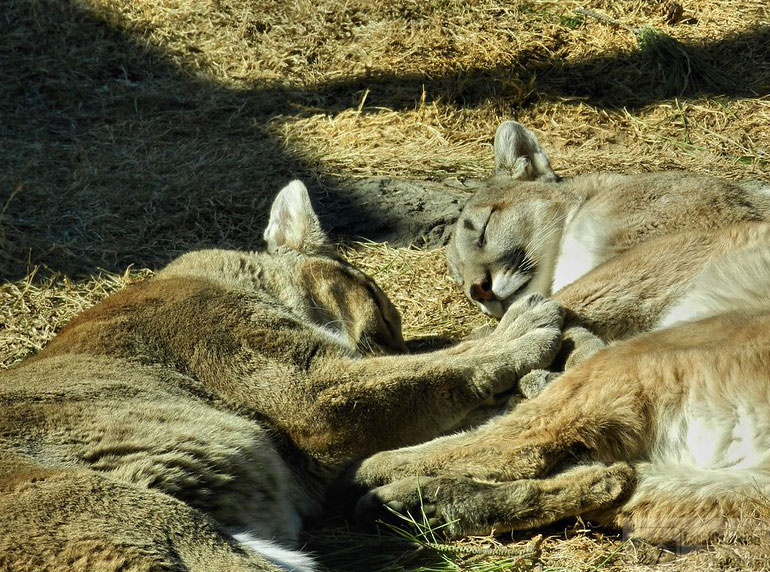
(115,156)
(425,344)
(631,80)
(341,543)
(638,79)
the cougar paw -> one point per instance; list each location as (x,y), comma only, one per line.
(529,337)
(530,313)
(408,500)
(386,467)
(535,382)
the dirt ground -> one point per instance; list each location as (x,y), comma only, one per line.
(132,131)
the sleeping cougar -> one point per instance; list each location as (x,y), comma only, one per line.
(526,230)
(192,421)
(666,434)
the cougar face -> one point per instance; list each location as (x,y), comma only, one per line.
(502,245)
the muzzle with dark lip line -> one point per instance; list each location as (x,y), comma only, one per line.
(481,291)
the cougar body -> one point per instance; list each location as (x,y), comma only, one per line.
(666,434)
(194,420)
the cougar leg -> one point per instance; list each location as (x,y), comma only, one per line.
(498,450)
(64,519)
(461,506)
(594,410)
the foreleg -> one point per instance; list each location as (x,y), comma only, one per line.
(374,404)
(461,506)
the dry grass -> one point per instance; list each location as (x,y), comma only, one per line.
(33,309)
(418,283)
(135,130)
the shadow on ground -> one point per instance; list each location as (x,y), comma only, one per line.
(114,156)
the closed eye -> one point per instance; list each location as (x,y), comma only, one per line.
(483,235)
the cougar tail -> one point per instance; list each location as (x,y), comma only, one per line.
(287,558)
(688,506)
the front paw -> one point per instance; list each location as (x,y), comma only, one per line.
(386,467)
(528,338)
(414,500)
(532,312)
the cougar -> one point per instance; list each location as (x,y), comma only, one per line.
(666,434)
(527,230)
(193,420)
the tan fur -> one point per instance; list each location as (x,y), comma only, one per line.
(224,396)
(650,285)
(527,232)
(666,434)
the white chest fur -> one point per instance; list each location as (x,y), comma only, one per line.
(583,247)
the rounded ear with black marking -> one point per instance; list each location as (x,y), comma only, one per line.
(519,156)
(293,222)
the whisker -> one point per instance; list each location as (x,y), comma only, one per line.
(549,229)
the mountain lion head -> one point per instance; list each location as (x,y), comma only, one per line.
(502,245)
(304,272)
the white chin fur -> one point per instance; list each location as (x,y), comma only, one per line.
(492,308)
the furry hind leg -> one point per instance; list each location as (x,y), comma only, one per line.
(77,520)
(685,506)
(593,410)
(490,452)
(462,506)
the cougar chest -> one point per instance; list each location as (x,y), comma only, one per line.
(583,246)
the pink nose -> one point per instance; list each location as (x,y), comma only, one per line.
(481,291)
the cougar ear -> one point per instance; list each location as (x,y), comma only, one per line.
(293,222)
(518,154)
